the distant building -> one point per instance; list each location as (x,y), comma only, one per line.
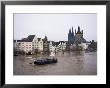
(57,46)
(76,41)
(61,46)
(71,37)
(92,46)
(79,37)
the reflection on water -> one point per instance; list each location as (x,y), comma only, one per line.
(73,63)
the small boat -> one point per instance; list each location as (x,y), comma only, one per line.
(49,61)
(45,61)
(39,62)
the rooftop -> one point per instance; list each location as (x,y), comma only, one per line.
(28,39)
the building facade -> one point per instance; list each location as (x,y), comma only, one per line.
(61,46)
(79,36)
(52,46)
(45,46)
(26,44)
(39,44)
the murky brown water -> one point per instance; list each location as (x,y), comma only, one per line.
(76,63)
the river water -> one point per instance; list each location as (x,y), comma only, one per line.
(73,63)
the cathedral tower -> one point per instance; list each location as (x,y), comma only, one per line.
(71,37)
(79,36)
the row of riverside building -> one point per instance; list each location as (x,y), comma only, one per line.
(31,43)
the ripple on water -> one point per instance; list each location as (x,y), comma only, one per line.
(68,64)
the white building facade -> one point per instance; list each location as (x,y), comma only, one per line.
(39,44)
(52,47)
(26,44)
(61,46)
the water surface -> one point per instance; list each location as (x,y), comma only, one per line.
(73,63)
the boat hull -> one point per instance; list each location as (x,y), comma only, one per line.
(45,61)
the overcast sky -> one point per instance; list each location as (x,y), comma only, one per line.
(54,26)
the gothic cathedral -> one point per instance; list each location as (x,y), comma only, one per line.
(77,38)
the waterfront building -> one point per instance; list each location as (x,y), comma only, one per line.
(67,46)
(46,46)
(39,44)
(92,46)
(76,41)
(16,44)
(79,37)
(26,44)
(61,46)
(52,46)
(56,46)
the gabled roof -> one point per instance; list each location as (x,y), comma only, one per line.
(28,39)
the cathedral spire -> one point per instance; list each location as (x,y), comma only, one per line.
(69,30)
(78,29)
(75,31)
(71,36)
(72,29)
(45,39)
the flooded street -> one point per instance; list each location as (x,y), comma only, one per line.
(74,63)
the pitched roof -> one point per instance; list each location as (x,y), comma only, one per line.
(28,39)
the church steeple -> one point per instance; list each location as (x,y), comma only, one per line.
(78,29)
(72,30)
(71,36)
(69,30)
(79,36)
(75,31)
(45,39)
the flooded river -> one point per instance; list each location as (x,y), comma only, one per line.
(73,63)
